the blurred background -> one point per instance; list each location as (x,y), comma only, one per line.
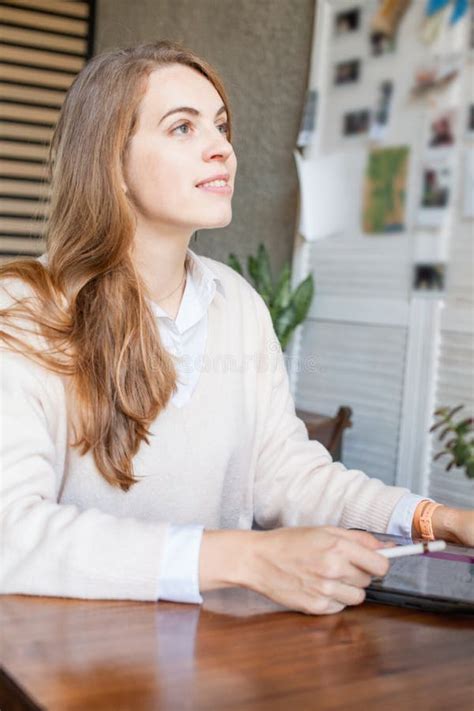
(354,133)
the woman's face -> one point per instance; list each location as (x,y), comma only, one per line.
(170,154)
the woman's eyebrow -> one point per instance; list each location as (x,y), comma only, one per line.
(189,110)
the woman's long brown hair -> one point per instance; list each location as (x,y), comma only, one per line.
(89,309)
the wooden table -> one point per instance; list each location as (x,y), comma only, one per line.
(236,651)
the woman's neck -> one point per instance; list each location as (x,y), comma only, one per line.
(161,263)
(172,303)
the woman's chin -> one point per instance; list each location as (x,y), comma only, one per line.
(215,224)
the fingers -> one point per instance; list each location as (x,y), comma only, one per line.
(335,565)
(369,561)
(363,537)
(357,577)
(359,548)
(332,596)
(341,593)
(322,606)
(348,594)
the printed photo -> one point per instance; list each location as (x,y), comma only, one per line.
(385,190)
(436,177)
(468,184)
(380,44)
(441,130)
(308,121)
(436,186)
(471,26)
(347,21)
(436,75)
(347,72)
(429,277)
(356,122)
(470,121)
(381,114)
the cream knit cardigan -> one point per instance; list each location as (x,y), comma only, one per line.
(236,452)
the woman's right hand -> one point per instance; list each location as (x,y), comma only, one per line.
(315,570)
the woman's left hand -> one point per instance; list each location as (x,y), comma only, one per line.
(454,525)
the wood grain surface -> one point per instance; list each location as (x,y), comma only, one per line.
(236,651)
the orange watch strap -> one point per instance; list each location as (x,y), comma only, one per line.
(426,527)
(418,511)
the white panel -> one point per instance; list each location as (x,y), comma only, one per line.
(381,311)
(418,397)
(460,274)
(360,366)
(353,265)
(455,387)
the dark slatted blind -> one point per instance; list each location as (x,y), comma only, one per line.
(43,45)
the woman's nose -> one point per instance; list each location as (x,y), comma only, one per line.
(218,146)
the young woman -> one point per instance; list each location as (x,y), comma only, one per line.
(147,417)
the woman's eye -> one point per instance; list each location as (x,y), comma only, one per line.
(183,125)
(223,128)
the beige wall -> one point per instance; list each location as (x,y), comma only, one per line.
(262,50)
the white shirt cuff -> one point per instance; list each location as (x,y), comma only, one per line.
(401,520)
(179,574)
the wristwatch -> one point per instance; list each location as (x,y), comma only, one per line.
(425,526)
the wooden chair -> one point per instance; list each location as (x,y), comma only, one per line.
(327,430)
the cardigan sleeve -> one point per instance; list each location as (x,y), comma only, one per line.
(296,481)
(48,548)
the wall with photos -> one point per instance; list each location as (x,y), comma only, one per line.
(385,162)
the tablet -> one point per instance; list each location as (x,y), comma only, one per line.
(439,582)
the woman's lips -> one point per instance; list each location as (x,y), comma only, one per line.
(218,189)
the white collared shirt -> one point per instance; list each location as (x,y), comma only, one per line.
(185,338)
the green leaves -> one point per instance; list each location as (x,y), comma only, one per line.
(282,294)
(260,272)
(288,309)
(234,263)
(460,447)
(302,298)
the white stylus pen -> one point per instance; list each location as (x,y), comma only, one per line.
(413,549)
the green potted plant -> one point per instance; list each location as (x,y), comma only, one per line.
(287,308)
(460,445)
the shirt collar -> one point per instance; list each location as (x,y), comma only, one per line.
(201,286)
(201,275)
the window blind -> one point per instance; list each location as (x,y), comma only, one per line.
(43,45)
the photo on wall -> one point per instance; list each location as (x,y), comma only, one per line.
(435,75)
(429,277)
(436,179)
(384,24)
(470,121)
(347,21)
(471,28)
(388,16)
(355,122)
(385,189)
(308,122)
(347,72)
(380,44)
(441,131)
(468,184)
(381,114)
